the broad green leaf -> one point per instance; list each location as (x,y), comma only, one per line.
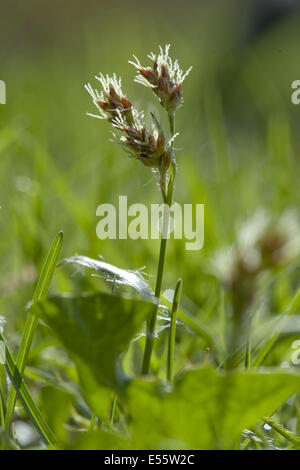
(206,409)
(32,319)
(95,329)
(56,415)
(98,397)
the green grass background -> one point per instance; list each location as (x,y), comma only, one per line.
(238,147)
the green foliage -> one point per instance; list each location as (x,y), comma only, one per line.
(28,402)
(238,151)
(206,409)
(96,329)
(56,405)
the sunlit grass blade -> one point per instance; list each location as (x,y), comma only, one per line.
(290,436)
(1,412)
(248,355)
(21,389)
(269,345)
(32,319)
(92,424)
(112,411)
(192,322)
(172,333)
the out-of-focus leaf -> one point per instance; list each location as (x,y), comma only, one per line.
(96,329)
(100,440)
(56,404)
(109,272)
(271,341)
(98,397)
(206,409)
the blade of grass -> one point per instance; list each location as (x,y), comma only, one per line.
(112,411)
(269,345)
(32,320)
(194,324)
(248,356)
(245,444)
(290,436)
(1,412)
(2,390)
(21,389)
(172,334)
(92,424)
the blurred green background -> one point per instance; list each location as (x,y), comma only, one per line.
(238,147)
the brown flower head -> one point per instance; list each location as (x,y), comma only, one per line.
(111,101)
(165,78)
(149,147)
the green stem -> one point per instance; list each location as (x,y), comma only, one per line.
(245,444)
(112,411)
(162,254)
(248,347)
(92,423)
(248,354)
(152,320)
(284,432)
(172,334)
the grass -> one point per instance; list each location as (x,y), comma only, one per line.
(32,319)
(238,150)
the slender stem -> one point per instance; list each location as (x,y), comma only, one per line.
(92,423)
(245,444)
(172,334)
(284,432)
(152,320)
(248,352)
(248,356)
(161,261)
(112,411)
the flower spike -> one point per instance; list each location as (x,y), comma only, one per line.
(111,100)
(165,78)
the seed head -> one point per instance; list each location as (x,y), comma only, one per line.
(111,101)
(149,147)
(165,78)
